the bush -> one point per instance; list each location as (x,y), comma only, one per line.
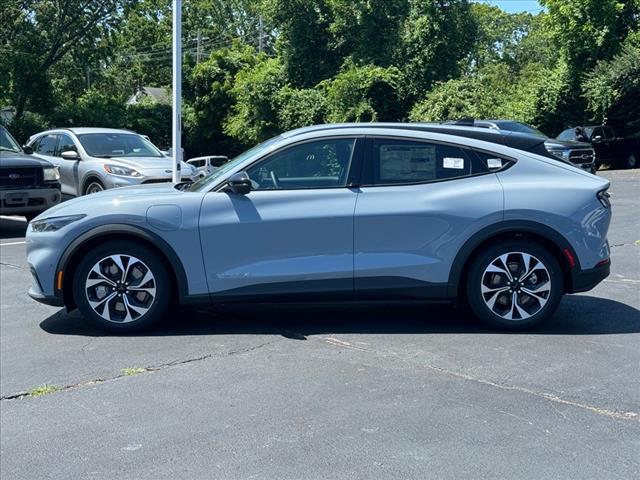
(363,94)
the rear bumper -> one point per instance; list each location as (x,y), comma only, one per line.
(585,280)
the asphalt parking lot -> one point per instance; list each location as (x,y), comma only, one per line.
(293,392)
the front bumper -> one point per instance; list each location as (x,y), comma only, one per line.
(585,280)
(28,200)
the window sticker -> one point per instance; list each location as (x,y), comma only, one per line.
(494,162)
(456,163)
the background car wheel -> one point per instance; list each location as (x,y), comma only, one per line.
(94,187)
(122,287)
(514,285)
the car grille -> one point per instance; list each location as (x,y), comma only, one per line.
(11,177)
(582,156)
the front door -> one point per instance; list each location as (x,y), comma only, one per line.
(292,234)
(69,177)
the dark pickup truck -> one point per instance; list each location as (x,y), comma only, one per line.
(615,151)
(28,185)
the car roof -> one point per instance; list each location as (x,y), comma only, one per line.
(84,130)
(518,140)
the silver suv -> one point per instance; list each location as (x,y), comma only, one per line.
(95,159)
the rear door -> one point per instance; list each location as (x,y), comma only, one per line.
(419,201)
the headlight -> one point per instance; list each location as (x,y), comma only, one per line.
(52,224)
(51,174)
(560,153)
(122,171)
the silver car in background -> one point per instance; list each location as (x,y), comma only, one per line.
(95,159)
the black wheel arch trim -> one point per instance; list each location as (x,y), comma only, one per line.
(123,229)
(502,228)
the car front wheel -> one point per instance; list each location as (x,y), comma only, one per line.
(514,285)
(122,287)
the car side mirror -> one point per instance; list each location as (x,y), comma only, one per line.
(27,149)
(240,183)
(69,155)
(597,138)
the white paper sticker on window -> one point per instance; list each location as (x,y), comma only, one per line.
(457,163)
(494,163)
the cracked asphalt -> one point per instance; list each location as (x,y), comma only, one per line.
(310,392)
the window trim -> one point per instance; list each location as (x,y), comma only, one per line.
(356,161)
(465,149)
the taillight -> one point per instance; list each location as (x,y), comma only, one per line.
(604,197)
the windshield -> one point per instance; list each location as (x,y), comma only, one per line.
(206,182)
(7,142)
(107,145)
(521,128)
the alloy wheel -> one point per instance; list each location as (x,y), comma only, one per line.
(516,286)
(120,288)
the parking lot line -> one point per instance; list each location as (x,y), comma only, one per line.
(12,243)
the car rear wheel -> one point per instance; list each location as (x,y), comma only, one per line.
(94,187)
(122,287)
(514,285)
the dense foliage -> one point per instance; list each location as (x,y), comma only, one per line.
(255,68)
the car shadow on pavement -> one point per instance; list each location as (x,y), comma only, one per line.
(577,315)
(12,227)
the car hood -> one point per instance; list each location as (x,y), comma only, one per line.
(146,163)
(558,144)
(114,198)
(15,159)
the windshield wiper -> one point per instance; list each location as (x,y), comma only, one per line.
(102,156)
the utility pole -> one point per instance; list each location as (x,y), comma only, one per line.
(198,46)
(261,35)
(177,90)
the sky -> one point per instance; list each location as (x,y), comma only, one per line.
(513,6)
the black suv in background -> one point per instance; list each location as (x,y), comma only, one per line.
(615,151)
(28,185)
(580,154)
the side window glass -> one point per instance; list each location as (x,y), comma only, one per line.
(488,162)
(608,132)
(597,132)
(65,144)
(47,145)
(395,162)
(318,164)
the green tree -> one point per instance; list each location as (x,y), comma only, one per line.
(254,116)
(36,35)
(363,94)
(612,89)
(304,40)
(435,37)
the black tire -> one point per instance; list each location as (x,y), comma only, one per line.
(156,305)
(94,186)
(478,276)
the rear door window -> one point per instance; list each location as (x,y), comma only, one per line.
(397,162)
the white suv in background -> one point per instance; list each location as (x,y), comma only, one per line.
(207,165)
(95,159)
